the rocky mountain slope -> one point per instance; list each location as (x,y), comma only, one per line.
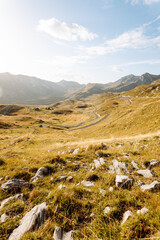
(19,89)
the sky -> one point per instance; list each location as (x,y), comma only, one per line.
(80,40)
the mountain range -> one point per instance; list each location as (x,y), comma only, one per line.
(20,89)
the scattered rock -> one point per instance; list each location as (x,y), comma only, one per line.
(126,215)
(124,182)
(3,218)
(100,162)
(60,235)
(154,186)
(61,187)
(140,183)
(145,173)
(117,166)
(143,211)
(60,179)
(41,173)
(102,191)
(87,183)
(69,179)
(135,165)
(14,183)
(32,219)
(111,189)
(106,210)
(75,152)
(17,196)
(154,163)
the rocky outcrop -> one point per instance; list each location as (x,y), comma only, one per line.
(32,219)
(15,183)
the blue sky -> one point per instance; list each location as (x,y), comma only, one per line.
(80,40)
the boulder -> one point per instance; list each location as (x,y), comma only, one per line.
(143,211)
(14,183)
(41,173)
(154,186)
(126,215)
(32,219)
(124,182)
(17,196)
(60,235)
(145,173)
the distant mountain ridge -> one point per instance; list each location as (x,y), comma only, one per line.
(20,89)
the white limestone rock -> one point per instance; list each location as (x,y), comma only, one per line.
(3,218)
(145,173)
(102,191)
(41,173)
(106,210)
(17,196)
(60,179)
(124,181)
(154,163)
(97,163)
(143,211)
(154,186)
(75,152)
(87,183)
(135,165)
(14,183)
(60,235)
(61,187)
(126,216)
(111,189)
(35,217)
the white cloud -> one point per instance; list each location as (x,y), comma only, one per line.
(148,2)
(63,31)
(117,69)
(134,39)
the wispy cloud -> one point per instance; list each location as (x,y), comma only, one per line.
(148,2)
(133,39)
(120,67)
(63,31)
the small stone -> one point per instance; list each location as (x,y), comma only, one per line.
(145,173)
(154,163)
(60,179)
(143,211)
(87,183)
(126,215)
(102,191)
(3,218)
(124,182)
(102,161)
(111,189)
(69,179)
(135,165)
(60,235)
(61,187)
(106,210)
(75,152)
(97,163)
